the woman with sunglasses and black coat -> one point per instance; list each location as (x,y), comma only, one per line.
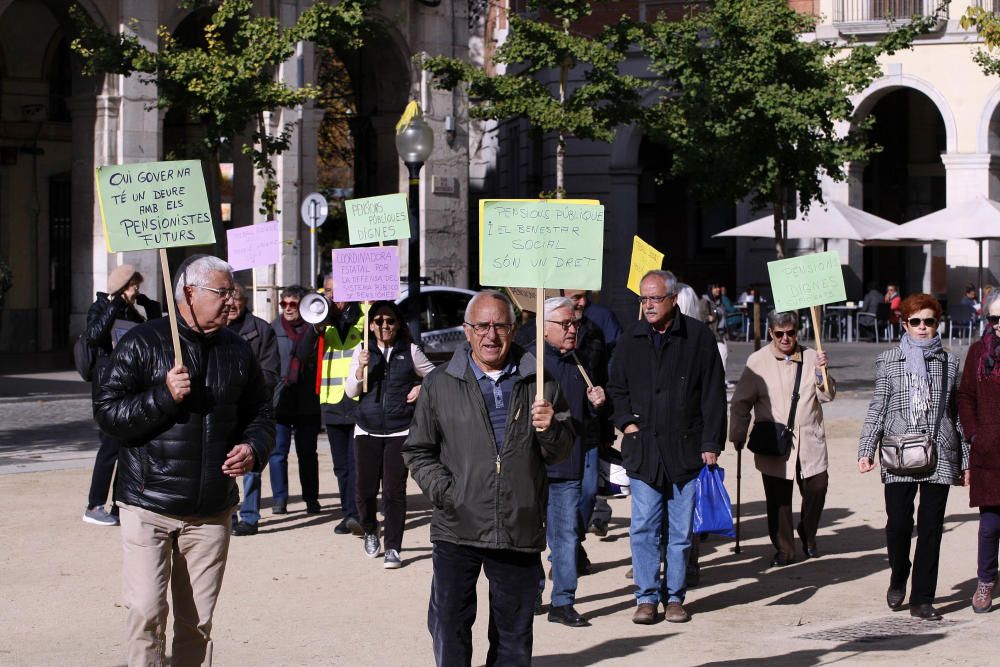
(979,408)
(767,386)
(395,368)
(914,384)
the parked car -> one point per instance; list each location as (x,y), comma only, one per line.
(442,314)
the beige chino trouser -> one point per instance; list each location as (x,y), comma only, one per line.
(189,553)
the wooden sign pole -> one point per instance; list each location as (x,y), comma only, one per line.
(818,337)
(540,341)
(171,309)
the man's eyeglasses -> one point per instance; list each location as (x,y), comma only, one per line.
(288,304)
(928,321)
(388,321)
(223,292)
(566,324)
(784,334)
(483,328)
(654,299)
(993,319)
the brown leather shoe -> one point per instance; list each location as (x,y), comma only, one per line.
(645,614)
(674,613)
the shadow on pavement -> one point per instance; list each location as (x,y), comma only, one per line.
(592,655)
(905,642)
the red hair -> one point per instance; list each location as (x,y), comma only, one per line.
(917,302)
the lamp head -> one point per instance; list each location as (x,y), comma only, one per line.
(415,140)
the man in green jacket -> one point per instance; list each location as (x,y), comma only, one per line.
(478,447)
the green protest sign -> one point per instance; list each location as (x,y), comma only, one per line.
(376,219)
(154,205)
(810,280)
(541,243)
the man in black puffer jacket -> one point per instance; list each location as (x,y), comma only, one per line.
(187,431)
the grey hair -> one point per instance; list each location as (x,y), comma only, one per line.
(195,271)
(776,318)
(990,298)
(668,278)
(493,294)
(552,304)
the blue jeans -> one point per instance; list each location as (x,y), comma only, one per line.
(563,533)
(653,510)
(306,430)
(250,507)
(588,489)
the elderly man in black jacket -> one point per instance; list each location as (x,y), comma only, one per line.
(478,447)
(187,431)
(668,391)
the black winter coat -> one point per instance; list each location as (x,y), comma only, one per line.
(172,454)
(383,409)
(260,337)
(480,499)
(298,399)
(675,395)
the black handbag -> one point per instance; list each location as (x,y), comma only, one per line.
(914,454)
(774,438)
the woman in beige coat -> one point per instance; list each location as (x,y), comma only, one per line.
(766,387)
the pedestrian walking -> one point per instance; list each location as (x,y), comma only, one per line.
(979,412)
(259,335)
(478,448)
(394,367)
(783,384)
(914,404)
(571,492)
(668,394)
(117,304)
(190,430)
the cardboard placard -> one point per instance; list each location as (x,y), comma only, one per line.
(254,245)
(809,280)
(154,205)
(645,258)
(524,297)
(366,274)
(377,219)
(541,244)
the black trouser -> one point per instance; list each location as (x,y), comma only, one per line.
(381,458)
(513,577)
(778,496)
(104,470)
(899,499)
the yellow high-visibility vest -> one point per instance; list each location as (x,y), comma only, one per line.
(336,360)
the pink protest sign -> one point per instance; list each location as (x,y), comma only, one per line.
(366,274)
(255,245)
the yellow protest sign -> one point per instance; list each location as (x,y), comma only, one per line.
(644,258)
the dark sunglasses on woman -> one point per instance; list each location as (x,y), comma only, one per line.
(928,321)
(389,321)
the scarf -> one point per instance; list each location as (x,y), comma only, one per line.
(989,360)
(296,332)
(916,353)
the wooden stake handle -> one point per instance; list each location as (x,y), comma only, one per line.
(364,346)
(539,344)
(818,337)
(175,337)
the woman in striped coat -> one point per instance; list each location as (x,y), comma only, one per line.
(910,387)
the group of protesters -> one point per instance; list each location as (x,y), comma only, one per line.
(509,463)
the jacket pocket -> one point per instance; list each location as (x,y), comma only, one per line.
(632,451)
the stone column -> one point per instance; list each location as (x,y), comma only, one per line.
(620,225)
(968,176)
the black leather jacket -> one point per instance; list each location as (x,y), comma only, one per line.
(172,454)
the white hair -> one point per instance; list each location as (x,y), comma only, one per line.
(668,278)
(195,271)
(552,304)
(493,294)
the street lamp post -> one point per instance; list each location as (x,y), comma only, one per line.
(414,143)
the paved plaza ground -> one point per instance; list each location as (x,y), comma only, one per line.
(296,594)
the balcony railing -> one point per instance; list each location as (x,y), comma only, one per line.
(989,5)
(870,16)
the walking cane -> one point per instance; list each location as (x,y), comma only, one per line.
(739,476)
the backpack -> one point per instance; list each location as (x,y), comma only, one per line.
(84,357)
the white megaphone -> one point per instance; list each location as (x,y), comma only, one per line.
(314,308)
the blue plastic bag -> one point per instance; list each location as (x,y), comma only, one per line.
(713,512)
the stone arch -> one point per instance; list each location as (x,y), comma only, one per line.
(988,128)
(870,96)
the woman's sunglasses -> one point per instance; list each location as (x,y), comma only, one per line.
(784,334)
(288,304)
(928,321)
(993,319)
(388,321)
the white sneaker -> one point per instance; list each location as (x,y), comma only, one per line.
(100,517)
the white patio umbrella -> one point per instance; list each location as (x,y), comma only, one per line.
(975,220)
(833,220)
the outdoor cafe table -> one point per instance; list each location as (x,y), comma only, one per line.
(846,312)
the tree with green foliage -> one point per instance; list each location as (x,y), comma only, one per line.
(750,106)
(591,110)
(228,81)
(987,24)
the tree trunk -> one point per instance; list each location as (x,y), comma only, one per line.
(210,165)
(778,204)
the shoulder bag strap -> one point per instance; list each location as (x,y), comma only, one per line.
(944,396)
(795,394)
